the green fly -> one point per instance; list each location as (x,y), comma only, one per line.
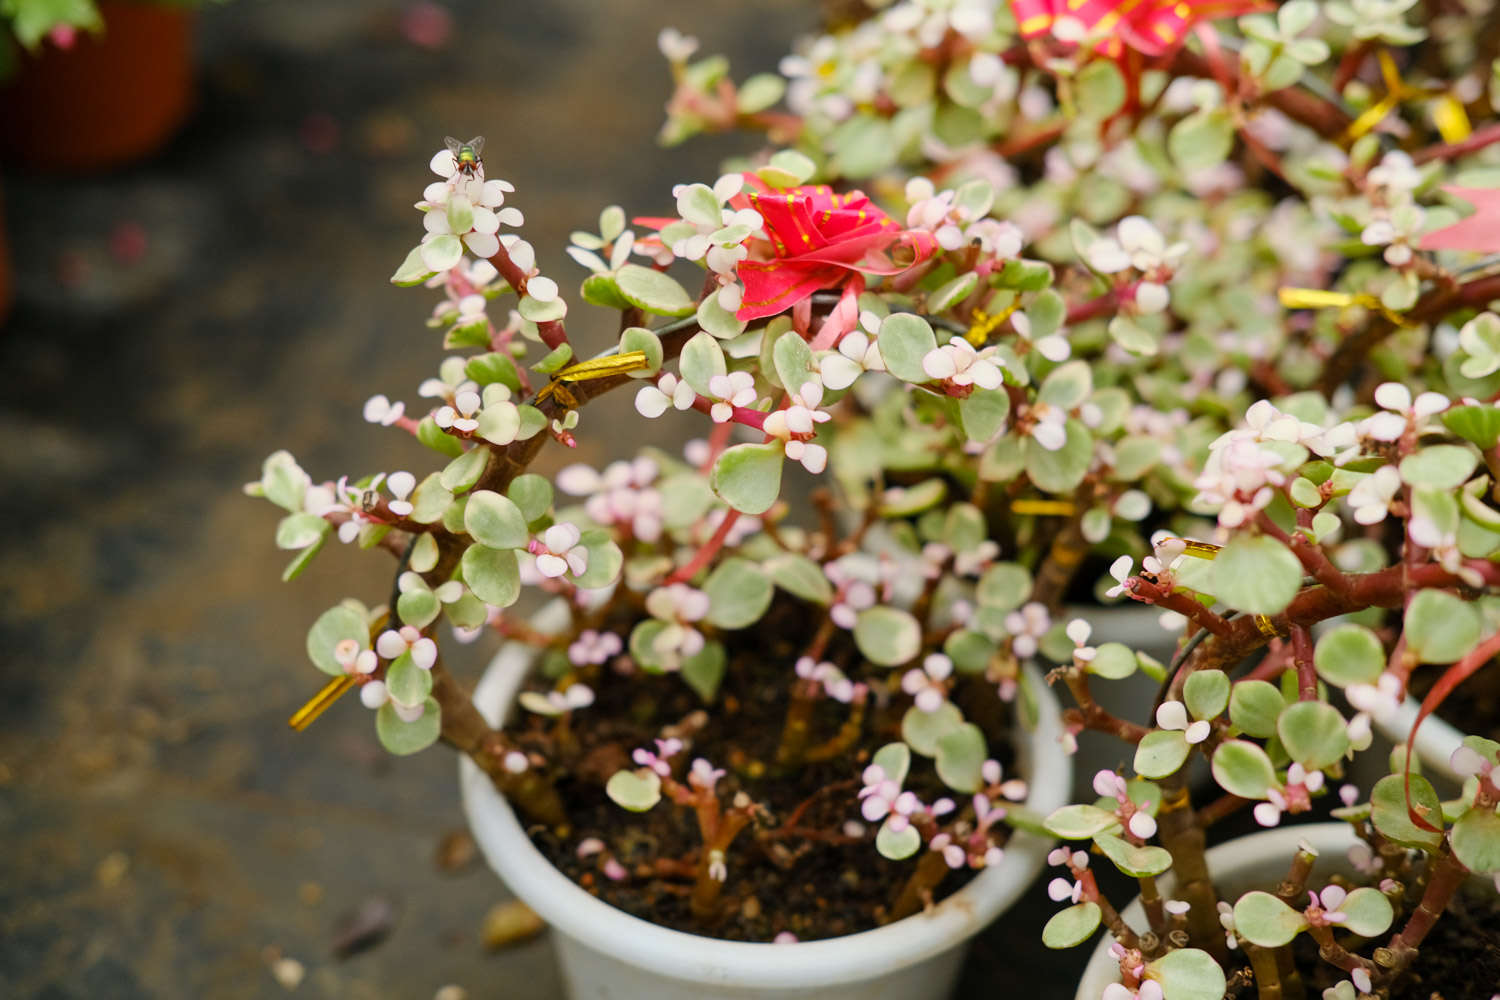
(466,154)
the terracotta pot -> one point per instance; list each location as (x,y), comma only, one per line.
(607,953)
(109,99)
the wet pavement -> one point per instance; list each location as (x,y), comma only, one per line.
(165,834)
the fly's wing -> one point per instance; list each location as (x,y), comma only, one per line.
(453,145)
(477,144)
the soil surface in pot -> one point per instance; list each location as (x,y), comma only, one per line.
(812,869)
(1459,960)
(1473,708)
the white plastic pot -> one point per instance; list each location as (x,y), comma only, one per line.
(607,953)
(1258,861)
(1435,743)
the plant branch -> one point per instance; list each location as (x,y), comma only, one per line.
(1437,302)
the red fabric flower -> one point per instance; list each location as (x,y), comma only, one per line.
(1151,27)
(1480,231)
(818,240)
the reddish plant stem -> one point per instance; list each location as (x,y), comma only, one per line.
(1095,307)
(1479,139)
(1122,931)
(1434,304)
(1329,950)
(1274,664)
(1452,678)
(710,548)
(1194,611)
(1317,564)
(1016,145)
(1446,876)
(510,461)
(551,331)
(1091,715)
(743,415)
(1386,588)
(1349,64)
(392,543)
(1225,805)
(1302,657)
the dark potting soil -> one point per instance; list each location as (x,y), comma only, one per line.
(1459,960)
(801,871)
(1474,706)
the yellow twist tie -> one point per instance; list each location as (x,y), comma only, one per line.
(1396,91)
(1266,628)
(1044,508)
(1319,298)
(1451,119)
(1198,550)
(320,702)
(587,371)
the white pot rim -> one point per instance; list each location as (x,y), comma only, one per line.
(1233,861)
(1435,742)
(675,954)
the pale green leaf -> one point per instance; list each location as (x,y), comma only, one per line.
(403,738)
(748,476)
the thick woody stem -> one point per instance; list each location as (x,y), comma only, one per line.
(719,830)
(1295,884)
(930,871)
(1153,904)
(1386,588)
(840,742)
(1448,874)
(1267,972)
(1317,564)
(1067,551)
(1302,657)
(1180,833)
(464,729)
(796,728)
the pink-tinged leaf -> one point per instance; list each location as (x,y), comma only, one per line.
(1479,232)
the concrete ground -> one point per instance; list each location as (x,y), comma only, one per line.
(165,834)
